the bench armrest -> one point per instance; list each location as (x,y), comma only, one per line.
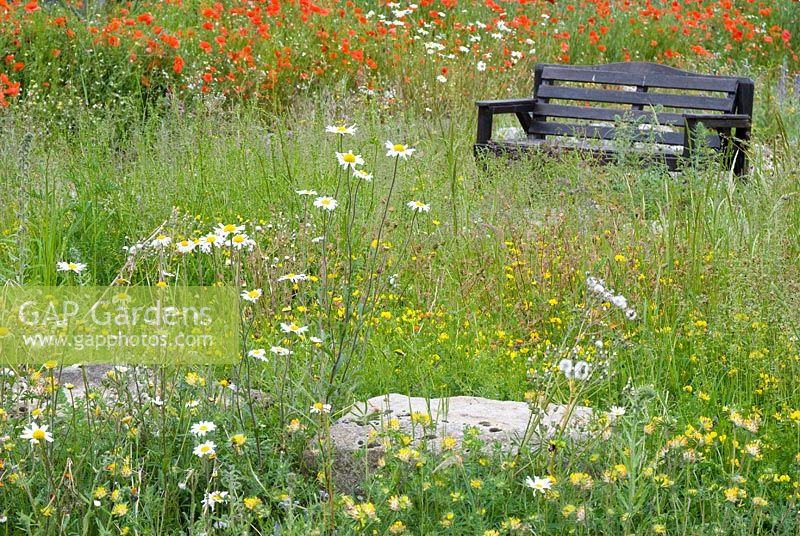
(718,120)
(738,133)
(508,106)
(486,109)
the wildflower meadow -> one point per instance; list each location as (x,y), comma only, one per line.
(305,169)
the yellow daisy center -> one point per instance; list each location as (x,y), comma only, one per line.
(229,228)
(399,147)
(341,129)
(326,201)
(161,237)
(349,158)
(38,435)
(205,448)
(238,239)
(72,266)
(253,294)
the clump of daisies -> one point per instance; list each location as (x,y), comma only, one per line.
(597,287)
(229,236)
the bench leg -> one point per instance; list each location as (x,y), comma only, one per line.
(741,142)
(484,126)
(689,135)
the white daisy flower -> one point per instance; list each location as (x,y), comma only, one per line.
(205,449)
(185,246)
(242,241)
(258,353)
(349,160)
(211,240)
(76,267)
(328,203)
(418,206)
(362,174)
(36,434)
(202,428)
(341,129)
(161,241)
(294,278)
(293,328)
(251,295)
(315,340)
(616,412)
(319,407)
(398,149)
(539,485)
(213,498)
(306,192)
(481,66)
(229,228)
(280,350)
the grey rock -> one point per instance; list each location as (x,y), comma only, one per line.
(111,382)
(504,424)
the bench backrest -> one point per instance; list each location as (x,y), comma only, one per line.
(598,95)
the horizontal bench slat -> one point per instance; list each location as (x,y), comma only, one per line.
(606,154)
(693,102)
(699,83)
(610,133)
(605,114)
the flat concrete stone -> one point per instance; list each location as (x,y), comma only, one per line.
(498,423)
(111,383)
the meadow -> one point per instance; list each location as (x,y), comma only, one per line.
(317,157)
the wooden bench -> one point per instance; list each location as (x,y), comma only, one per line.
(585,108)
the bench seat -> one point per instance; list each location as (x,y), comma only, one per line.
(601,150)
